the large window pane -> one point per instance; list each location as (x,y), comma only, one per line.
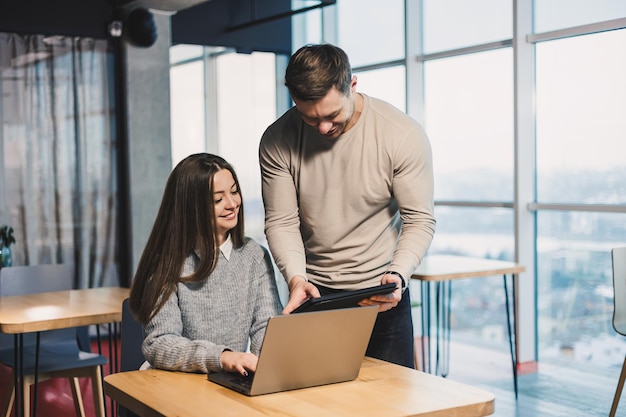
(560,14)
(575,292)
(477,232)
(580,119)
(469,119)
(371,31)
(386,84)
(245,94)
(306,28)
(246,103)
(187,110)
(477,305)
(59,187)
(179,53)
(452,24)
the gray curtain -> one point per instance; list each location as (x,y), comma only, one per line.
(58,157)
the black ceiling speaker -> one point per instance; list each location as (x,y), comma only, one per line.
(140,28)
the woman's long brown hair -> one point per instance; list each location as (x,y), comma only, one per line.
(185,223)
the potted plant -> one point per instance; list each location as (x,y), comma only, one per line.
(6,239)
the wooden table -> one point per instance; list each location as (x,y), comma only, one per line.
(62,309)
(443,269)
(381,389)
(57,310)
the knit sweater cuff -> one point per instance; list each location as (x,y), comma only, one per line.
(214,363)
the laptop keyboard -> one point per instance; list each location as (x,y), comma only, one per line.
(243,380)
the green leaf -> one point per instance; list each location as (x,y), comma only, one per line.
(6,235)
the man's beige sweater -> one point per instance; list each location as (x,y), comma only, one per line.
(331,205)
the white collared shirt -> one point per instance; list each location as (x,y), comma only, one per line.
(226,248)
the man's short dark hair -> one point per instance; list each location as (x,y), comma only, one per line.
(314,69)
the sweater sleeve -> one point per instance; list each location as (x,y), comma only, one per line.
(413,190)
(267,301)
(165,347)
(282,221)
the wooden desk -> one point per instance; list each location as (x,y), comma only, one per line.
(62,309)
(442,269)
(57,310)
(381,389)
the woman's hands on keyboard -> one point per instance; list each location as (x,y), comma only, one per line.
(241,362)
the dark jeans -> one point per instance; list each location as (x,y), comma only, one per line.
(392,338)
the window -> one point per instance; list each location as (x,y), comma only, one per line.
(549,14)
(580,108)
(246,91)
(580,119)
(239,101)
(371,31)
(453,24)
(469,119)
(187,110)
(556,134)
(59,154)
(385,83)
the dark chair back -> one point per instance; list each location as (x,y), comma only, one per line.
(132,338)
(131,357)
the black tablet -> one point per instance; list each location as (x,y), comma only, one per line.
(343,299)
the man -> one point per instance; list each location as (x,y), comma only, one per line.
(348,194)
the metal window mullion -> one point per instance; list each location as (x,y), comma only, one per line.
(490,46)
(589,29)
(483,204)
(596,208)
(211,125)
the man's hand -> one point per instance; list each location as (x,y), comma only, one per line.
(241,362)
(300,290)
(386,301)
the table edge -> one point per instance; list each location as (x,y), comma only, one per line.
(469,274)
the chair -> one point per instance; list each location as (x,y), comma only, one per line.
(619,312)
(59,352)
(132,337)
(131,357)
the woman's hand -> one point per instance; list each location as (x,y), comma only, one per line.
(241,362)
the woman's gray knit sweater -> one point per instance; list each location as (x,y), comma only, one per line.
(227,310)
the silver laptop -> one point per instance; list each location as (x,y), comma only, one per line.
(305,350)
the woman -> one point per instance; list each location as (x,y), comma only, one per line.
(202,290)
